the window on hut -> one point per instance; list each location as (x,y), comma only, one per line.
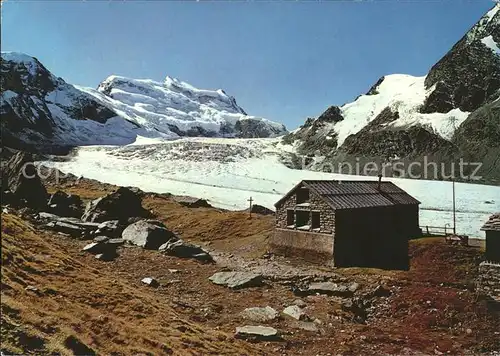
(302,221)
(290,218)
(302,195)
(315,220)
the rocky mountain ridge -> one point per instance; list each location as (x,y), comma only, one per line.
(41,110)
(453,112)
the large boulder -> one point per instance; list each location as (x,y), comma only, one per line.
(63,204)
(180,248)
(20,177)
(119,205)
(148,234)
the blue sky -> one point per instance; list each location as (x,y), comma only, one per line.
(281,60)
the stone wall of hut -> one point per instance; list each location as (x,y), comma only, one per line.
(327,215)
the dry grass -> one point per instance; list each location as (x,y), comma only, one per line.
(105,306)
(229,230)
(73,299)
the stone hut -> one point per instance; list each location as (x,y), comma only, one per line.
(347,223)
(492,229)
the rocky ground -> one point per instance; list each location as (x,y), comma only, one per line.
(59,298)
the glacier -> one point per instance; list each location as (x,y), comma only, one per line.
(227,172)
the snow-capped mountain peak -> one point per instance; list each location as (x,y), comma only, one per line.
(181,109)
(38,107)
(449,113)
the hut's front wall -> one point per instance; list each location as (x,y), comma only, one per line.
(327,215)
(310,246)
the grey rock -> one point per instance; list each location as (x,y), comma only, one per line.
(149,234)
(257,333)
(66,228)
(111,228)
(48,217)
(20,177)
(260,314)
(180,248)
(237,280)
(115,242)
(329,288)
(63,204)
(119,205)
(295,312)
(150,281)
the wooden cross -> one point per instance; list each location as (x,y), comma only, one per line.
(250,200)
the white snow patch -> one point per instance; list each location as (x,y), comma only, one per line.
(9,94)
(491,44)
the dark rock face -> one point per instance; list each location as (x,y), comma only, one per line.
(251,128)
(478,140)
(148,234)
(20,177)
(469,74)
(332,114)
(440,100)
(315,136)
(63,204)
(27,88)
(120,205)
(18,77)
(466,77)
(373,90)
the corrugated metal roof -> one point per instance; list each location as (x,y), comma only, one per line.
(351,201)
(357,194)
(493,223)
